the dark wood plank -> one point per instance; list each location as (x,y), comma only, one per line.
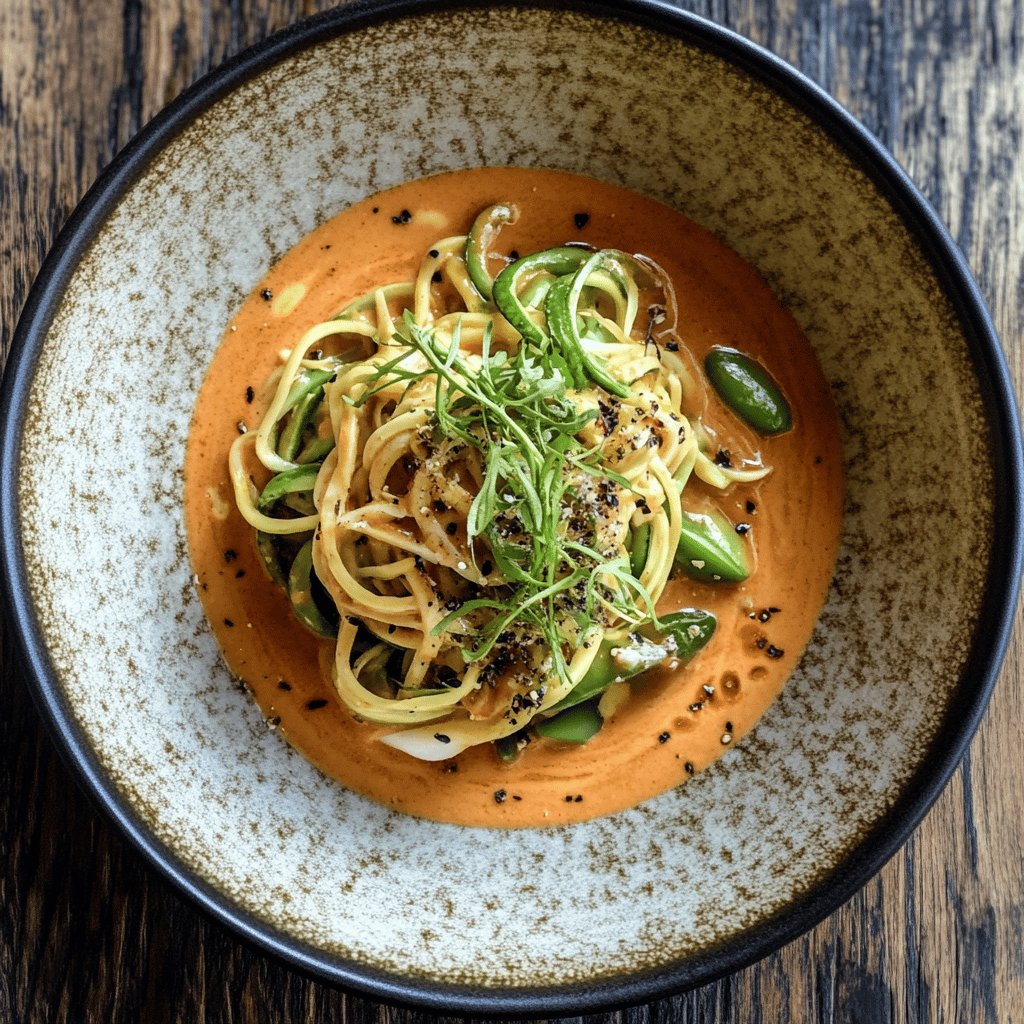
(88,932)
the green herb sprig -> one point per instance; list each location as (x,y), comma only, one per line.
(516,411)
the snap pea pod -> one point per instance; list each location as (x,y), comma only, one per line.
(304,383)
(575,725)
(685,632)
(300,593)
(607,667)
(266,545)
(508,747)
(479,240)
(556,309)
(561,310)
(639,546)
(290,440)
(559,261)
(691,628)
(710,549)
(301,502)
(749,390)
(536,291)
(316,450)
(291,481)
(596,331)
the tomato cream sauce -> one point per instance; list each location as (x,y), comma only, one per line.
(674,723)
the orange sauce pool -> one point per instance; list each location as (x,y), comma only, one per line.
(674,724)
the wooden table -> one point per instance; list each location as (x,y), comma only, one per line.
(88,932)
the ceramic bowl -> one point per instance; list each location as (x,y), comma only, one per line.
(112,349)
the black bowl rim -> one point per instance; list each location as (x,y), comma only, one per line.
(969,700)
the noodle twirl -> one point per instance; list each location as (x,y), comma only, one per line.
(482,485)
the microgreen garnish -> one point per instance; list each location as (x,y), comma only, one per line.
(516,410)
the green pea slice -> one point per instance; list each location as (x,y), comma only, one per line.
(639,546)
(290,439)
(710,549)
(291,481)
(749,390)
(559,261)
(300,591)
(266,545)
(481,237)
(691,628)
(508,747)
(577,725)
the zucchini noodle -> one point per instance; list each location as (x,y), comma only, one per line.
(479,486)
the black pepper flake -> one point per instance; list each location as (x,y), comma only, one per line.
(760,643)
(665,737)
(513,254)
(440,506)
(568,798)
(577,799)
(723,458)
(441,738)
(774,652)
(433,254)
(230,555)
(402,218)
(450,769)
(436,277)
(516,796)
(392,627)
(229,623)
(249,396)
(376,209)
(698,706)
(817,460)
(728,726)
(284,685)
(316,705)
(239,574)
(672,346)
(499,796)
(742,528)
(451,529)
(266,294)
(486,568)
(581,219)
(688,767)
(751,507)
(447,676)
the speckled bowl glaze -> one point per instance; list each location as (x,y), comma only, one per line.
(113,347)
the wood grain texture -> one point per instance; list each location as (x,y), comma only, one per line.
(88,932)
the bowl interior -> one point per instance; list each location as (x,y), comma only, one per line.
(100,490)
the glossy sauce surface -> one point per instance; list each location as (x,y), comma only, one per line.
(674,723)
